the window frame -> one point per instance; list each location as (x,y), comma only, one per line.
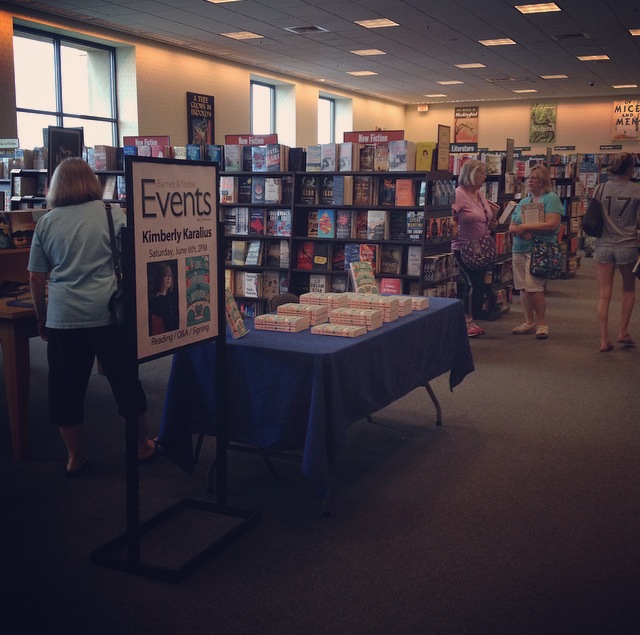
(58,41)
(272,107)
(332,117)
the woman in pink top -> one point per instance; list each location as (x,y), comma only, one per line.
(473,217)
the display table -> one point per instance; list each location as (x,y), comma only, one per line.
(17,325)
(301,392)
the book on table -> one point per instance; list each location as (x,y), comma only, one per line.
(362,277)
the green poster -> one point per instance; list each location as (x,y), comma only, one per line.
(542,127)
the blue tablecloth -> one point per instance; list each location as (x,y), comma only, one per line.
(298,391)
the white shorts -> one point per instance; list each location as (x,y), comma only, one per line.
(522,278)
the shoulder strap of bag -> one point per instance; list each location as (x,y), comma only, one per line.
(114,248)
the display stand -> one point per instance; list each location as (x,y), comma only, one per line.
(124,553)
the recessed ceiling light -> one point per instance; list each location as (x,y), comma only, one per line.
(361,73)
(242,35)
(376,24)
(592,58)
(542,7)
(434,95)
(220,1)
(634,31)
(449,82)
(526,90)
(499,42)
(472,65)
(368,52)
(554,77)
(625,86)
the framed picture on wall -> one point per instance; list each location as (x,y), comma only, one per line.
(62,144)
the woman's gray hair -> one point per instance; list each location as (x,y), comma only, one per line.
(73,182)
(469,170)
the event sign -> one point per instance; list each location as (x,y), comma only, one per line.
(172,210)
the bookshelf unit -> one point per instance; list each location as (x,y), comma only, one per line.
(257,235)
(401,221)
(28,188)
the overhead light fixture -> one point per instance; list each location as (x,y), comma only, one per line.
(376,24)
(526,90)
(435,95)
(554,77)
(242,35)
(361,73)
(368,52)
(625,86)
(634,31)
(449,82)
(542,7)
(471,65)
(221,1)
(592,58)
(505,41)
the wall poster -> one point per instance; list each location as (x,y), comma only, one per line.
(465,124)
(200,113)
(626,120)
(542,124)
(172,210)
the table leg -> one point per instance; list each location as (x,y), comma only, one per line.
(436,403)
(14,337)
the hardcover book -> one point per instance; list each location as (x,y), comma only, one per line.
(320,256)
(348,157)
(304,255)
(257,189)
(415,224)
(325,194)
(351,254)
(425,155)
(328,157)
(326,223)
(381,157)
(362,277)
(363,187)
(391,259)
(245,189)
(256,222)
(228,189)
(377,224)
(367,157)
(258,158)
(361,218)
(232,158)
(387,192)
(238,252)
(337,257)
(275,157)
(344,223)
(405,192)
(398,225)
(233,316)
(369,253)
(312,224)
(319,283)
(402,156)
(242,221)
(308,190)
(314,158)
(272,190)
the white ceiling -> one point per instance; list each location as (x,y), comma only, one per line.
(431,37)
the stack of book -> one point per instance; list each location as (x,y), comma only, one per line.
(371,318)
(279,322)
(341,330)
(317,313)
(331,300)
(387,304)
(405,306)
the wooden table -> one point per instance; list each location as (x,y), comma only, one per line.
(17,325)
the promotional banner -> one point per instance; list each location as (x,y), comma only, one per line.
(200,118)
(465,124)
(172,210)
(626,120)
(542,126)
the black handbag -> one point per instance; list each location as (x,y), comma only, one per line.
(116,302)
(592,222)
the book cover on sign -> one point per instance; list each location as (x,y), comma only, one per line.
(198,290)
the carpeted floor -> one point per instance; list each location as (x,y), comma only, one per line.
(520,515)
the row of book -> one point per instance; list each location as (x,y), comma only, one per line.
(257,221)
(384,259)
(272,253)
(250,284)
(376,224)
(255,190)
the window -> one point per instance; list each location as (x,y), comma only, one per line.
(326,120)
(64,82)
(263,108)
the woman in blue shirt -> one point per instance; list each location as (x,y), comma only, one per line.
(71,246)
(545,230)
